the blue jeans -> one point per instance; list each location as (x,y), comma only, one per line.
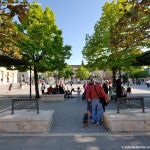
(97,110)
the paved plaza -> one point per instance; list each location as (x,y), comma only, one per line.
(67,132)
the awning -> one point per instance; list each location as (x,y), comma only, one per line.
(144,59)
(8,61)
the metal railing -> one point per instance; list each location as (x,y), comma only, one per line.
(25,103)
(130,102)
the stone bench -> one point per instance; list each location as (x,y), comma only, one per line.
(52,97)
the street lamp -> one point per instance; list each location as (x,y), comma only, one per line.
(30,79)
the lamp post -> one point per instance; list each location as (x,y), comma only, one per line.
(30,81)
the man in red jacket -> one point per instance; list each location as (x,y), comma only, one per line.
(94,93)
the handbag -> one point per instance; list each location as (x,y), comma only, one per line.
(101,99)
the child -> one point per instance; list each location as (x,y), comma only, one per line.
(78,93)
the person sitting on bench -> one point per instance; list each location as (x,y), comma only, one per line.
(50,90)
(68,93)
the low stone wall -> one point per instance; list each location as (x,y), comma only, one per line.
(26,121)
(127,121)
(53,97)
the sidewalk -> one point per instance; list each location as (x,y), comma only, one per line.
(68,134)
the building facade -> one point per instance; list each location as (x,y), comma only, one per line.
(7,76)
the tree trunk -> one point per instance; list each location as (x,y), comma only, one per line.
(36,82)
(114,77)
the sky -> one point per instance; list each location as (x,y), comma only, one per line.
(75,18)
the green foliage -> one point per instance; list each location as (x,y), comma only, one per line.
(139,74)
(100,50)
(42,42)
(66,72)
(82,73)
(133,26)
(9,34)
(13,8)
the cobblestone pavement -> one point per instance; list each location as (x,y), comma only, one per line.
(67,132)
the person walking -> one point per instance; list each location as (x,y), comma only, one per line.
(42,88)
(105,87)
(93,94)
(9,89)
(120,91)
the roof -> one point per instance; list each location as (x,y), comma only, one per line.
(75,66)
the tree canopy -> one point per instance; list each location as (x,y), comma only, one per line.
(42,42)
(82,73)
(98,50)
(105,49)
(9,33)
(133,27)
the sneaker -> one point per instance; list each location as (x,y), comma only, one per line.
(97,123)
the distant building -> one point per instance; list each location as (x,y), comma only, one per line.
(24,76)
(13,76)
(7,76)
(75,67)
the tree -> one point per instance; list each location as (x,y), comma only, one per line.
(99,51)
(133,26)
(65,73)
(138,73)
(9,34)
(82,73)
(82,63)
(42,44)
(68,72)
(11,8)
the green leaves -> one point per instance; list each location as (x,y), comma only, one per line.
(9,34)
(133,26)
(66,72)
(82,73)
(106,47)
(43,41)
